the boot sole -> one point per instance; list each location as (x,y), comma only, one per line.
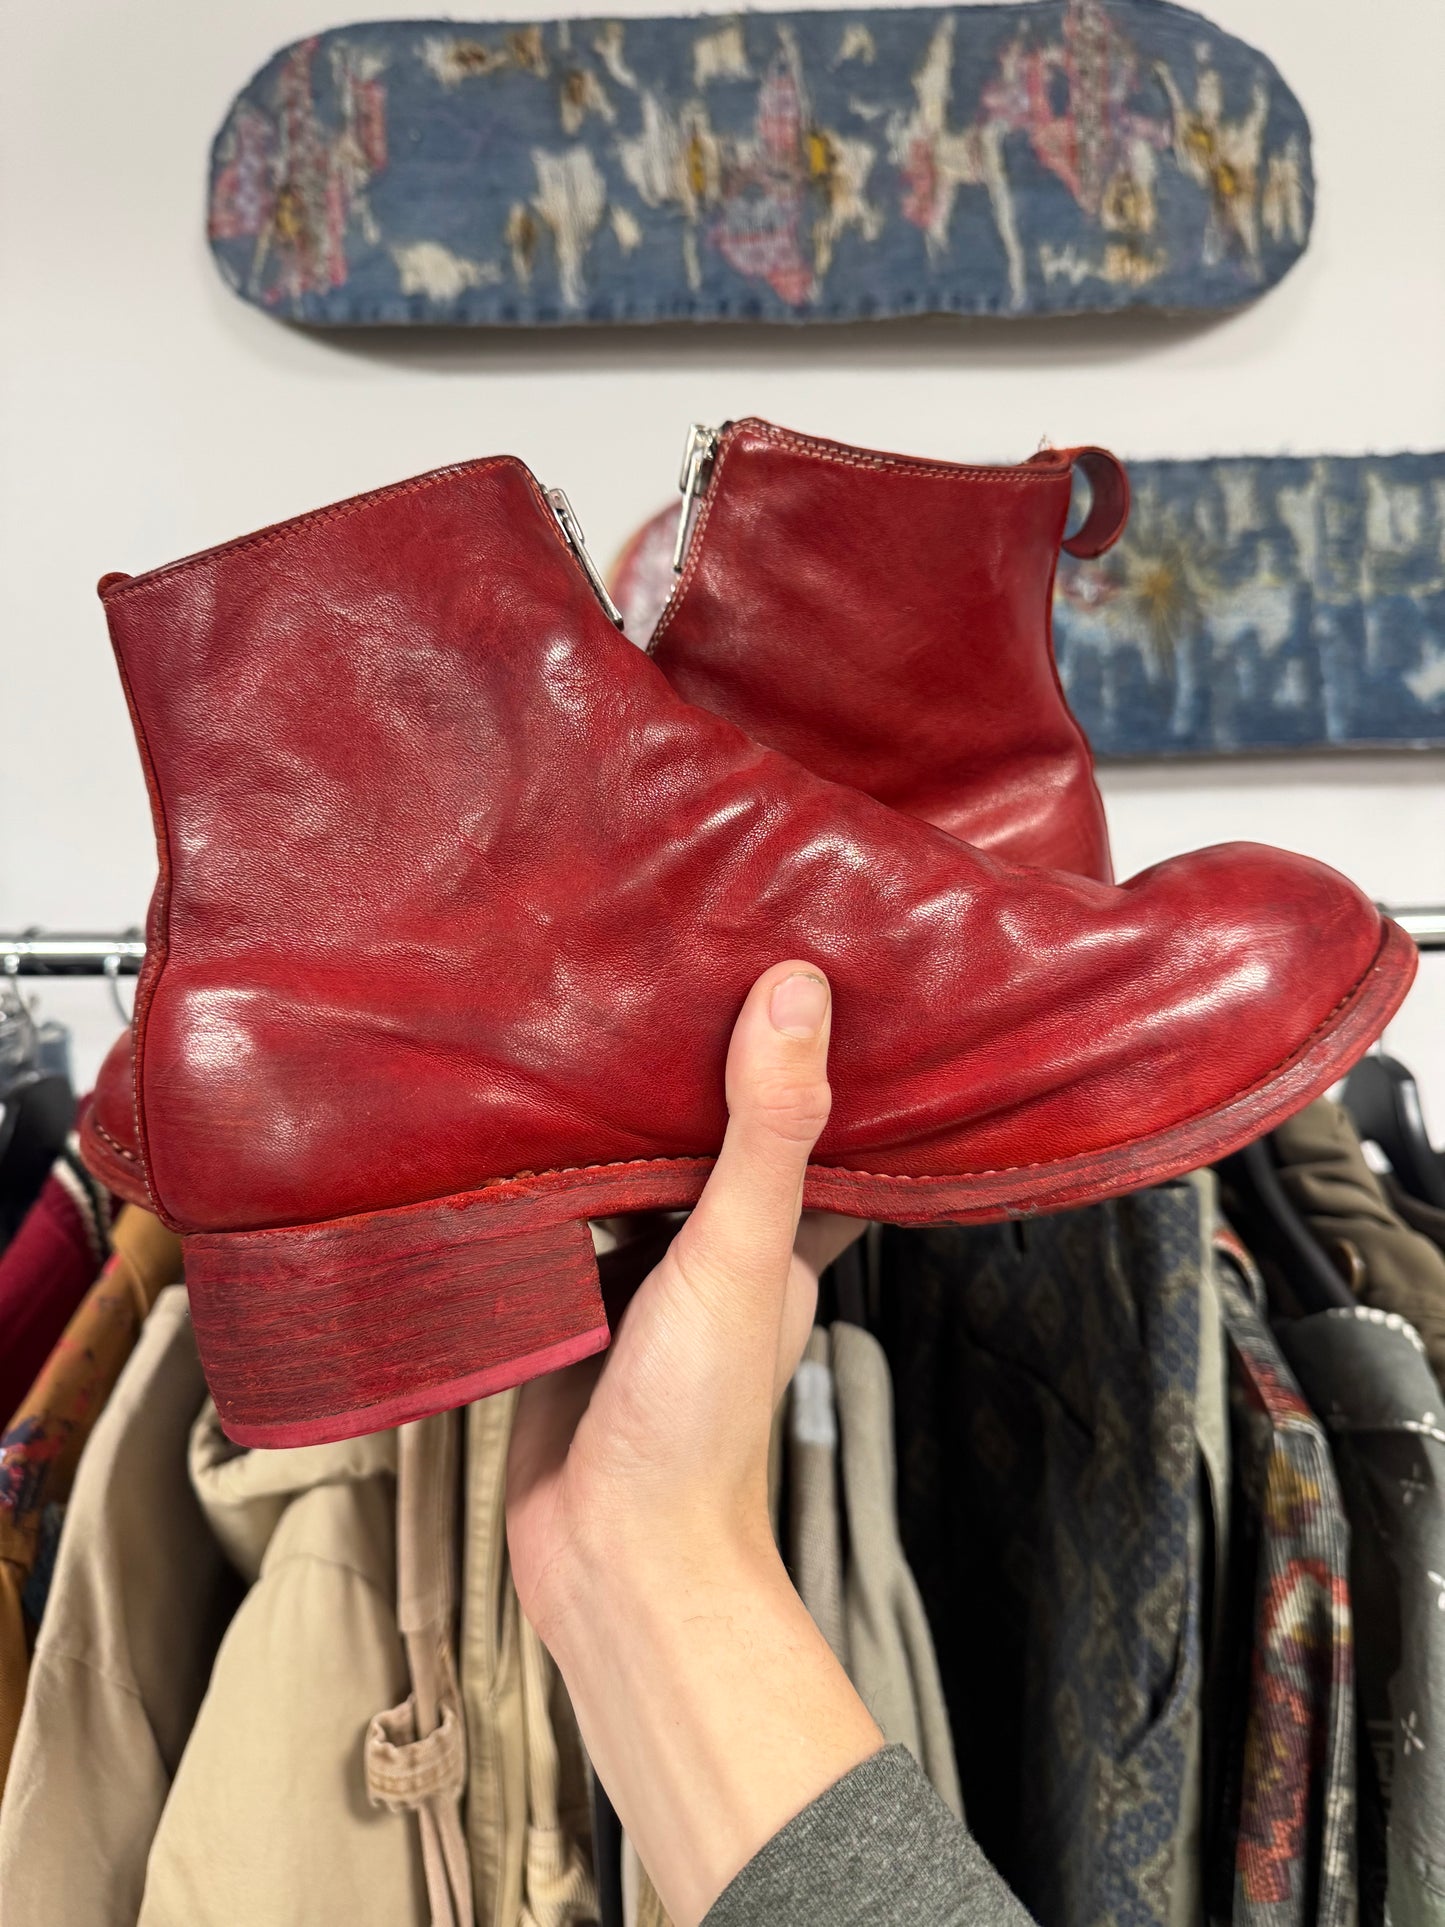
(319,1332)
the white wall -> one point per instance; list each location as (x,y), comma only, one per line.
(146,412)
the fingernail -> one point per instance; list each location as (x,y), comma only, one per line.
(799,1005)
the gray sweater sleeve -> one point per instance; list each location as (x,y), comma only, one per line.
(879,1847)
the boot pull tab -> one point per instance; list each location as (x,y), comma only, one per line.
(1108,481)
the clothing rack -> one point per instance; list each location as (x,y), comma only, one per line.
(1426,926)
(120,953)
(44,953)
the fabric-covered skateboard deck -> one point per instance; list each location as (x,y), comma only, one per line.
(1054,156)
(1271,603)
(1253,603)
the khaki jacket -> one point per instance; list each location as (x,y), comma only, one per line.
(269,1821)
(528,1828)
(138,1603)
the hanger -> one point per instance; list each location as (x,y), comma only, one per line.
(18,1050)
(37,1109)
(1384,1100)
(1278,1238)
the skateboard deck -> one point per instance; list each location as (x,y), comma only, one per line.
(1058,156)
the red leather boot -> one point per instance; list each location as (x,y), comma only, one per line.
(458,900)
(888,623)
(885,621)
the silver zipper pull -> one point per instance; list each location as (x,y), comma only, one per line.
(697,461)
(567,521)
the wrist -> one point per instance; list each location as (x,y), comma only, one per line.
(711,1706)
(622,1581)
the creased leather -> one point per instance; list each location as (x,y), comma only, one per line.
(455,886)
(887,622)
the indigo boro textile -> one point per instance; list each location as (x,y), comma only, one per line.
(1054,157)
(1263,603)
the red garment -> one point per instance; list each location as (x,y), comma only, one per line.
(47,1268)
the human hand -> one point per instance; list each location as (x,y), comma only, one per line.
(637,1517)
(671,1425)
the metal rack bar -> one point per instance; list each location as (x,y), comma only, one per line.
(43,953)
(39,953)
(1427,927)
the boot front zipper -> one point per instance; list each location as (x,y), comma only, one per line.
(697,463)
(572,529)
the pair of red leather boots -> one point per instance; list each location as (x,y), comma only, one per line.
(460,893)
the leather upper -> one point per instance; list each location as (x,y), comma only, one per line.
(110,1128)
(887,622)
(454,885)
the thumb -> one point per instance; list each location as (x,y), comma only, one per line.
(740,1237)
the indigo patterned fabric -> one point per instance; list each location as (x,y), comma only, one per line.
(1053,157)
(1271,603)
(1288,1856)
(1046,1377)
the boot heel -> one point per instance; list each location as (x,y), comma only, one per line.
(318,1332)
